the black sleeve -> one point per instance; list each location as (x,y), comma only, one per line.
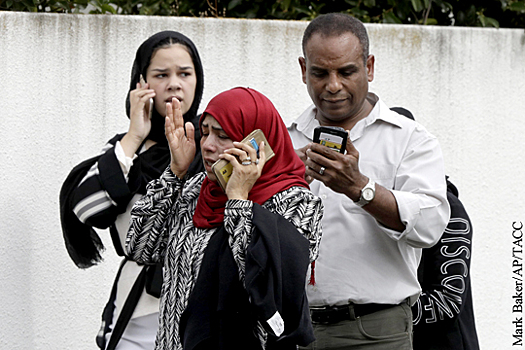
(83,244)
(103,193)
(277,260)
(221,313)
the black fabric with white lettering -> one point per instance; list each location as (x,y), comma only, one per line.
(443,315)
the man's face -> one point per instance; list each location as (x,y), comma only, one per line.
(336,77)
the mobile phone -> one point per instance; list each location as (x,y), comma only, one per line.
(149,106)
(223,169)
(333,137)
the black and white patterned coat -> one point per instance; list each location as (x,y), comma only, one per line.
(162,230)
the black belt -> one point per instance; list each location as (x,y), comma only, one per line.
(337,313)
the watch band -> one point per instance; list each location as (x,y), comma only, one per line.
(368,193)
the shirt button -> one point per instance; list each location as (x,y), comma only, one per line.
(323,196)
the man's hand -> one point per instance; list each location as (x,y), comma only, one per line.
(339,172)
(301,152)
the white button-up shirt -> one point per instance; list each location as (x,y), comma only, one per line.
(360,260)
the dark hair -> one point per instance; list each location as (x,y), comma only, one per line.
(334,24)
(166,43)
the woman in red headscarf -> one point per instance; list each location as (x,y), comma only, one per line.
(235,261)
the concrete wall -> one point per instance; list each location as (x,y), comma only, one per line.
(63,83)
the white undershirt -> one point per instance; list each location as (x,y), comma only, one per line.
(147,304)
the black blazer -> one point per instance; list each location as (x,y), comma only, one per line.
(222,313)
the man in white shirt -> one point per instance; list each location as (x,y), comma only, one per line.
(384,199)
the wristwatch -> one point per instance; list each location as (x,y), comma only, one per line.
(367,193)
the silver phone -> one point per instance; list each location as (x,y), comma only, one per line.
(149,106)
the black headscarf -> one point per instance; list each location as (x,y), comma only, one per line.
(141,64)
(156,159)
(82,242)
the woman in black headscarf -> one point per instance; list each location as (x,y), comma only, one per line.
(101,191)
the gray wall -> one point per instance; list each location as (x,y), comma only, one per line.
(63,83)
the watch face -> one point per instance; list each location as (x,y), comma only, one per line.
(368,194)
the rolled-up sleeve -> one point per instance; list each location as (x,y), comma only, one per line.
(420,192)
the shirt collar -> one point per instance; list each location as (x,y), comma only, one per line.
(381,112)
(306,123)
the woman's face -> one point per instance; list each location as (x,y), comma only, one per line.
(214,141)
(171,73)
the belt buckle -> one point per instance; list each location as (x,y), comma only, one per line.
(327,314)
(319,308)
(317,317)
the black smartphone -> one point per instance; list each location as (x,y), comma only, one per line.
(333,137)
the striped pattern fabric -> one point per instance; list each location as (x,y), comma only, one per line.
(92,203)
(162,230)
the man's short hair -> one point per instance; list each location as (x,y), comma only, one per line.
(335,24)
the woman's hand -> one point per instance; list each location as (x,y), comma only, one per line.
(140,124)
(181,142)
(244,175)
